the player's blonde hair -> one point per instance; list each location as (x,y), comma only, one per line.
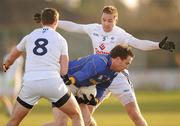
(110,10)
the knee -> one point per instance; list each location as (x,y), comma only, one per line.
(93,122)
(137,118)
(75,114)
(90,121)
(135,115)
(87,121)
(12,122)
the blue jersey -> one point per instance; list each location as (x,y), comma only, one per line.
(91,70)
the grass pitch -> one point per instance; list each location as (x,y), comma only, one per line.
(158,108)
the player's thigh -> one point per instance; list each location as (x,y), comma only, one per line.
(71,107)
(61,97)
(60,117)
(19,112)
(132,109)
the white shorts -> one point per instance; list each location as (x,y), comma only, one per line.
(121,88)
(52,89)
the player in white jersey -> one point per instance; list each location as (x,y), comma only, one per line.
(104,37)
(11,83)
(46,59)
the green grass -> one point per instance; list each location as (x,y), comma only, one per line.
(158,108)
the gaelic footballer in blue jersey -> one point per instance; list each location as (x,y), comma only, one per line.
(98,70)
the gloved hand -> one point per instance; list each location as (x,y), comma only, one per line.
(68,80)
(5,67)
(37,17)
(167,45)
(79,100)
(93,101)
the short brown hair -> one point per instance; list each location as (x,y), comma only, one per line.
(110,10)
(121,51)
(49,16)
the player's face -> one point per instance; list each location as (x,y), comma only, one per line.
(119,65)
(108,21)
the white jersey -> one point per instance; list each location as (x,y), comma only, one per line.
(43,47)
(103,42)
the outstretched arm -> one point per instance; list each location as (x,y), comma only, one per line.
(167,45)
(150,45)
(71,26)
(143,44)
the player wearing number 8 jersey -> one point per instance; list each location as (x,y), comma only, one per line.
(46,59)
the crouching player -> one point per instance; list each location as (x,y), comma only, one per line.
(95,69)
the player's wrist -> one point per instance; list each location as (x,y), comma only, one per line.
(68,80)
(65,77)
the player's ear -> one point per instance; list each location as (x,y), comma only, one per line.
(116,19)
